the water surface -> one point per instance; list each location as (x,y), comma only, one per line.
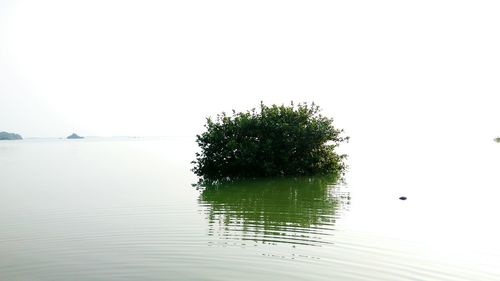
(125,209)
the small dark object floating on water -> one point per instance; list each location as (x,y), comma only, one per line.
(402,198)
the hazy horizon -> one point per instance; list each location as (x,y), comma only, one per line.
(124,68)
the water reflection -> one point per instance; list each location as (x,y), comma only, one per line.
(298,210)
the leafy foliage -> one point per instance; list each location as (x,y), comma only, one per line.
(273,141)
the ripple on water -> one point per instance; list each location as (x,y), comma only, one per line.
(228,234)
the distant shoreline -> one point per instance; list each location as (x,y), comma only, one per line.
(10,136)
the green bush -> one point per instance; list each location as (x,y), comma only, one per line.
(273,141)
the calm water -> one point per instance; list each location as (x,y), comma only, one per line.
(125,209)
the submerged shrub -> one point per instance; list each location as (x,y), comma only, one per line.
(272,141)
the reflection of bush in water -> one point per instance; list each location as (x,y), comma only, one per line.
(273,204)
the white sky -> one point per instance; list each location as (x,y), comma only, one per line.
(418,68)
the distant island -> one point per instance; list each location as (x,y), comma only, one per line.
(497,139)
(10,136)
(74,136)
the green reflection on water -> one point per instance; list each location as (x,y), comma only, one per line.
(268,209)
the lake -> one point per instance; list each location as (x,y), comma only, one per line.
(128,209)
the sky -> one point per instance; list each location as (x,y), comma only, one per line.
(381,69)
